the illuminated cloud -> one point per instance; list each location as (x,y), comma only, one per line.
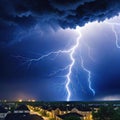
(111,98)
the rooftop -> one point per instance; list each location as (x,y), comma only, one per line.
(2,110)
(22,107)
(69,115)
(22,117)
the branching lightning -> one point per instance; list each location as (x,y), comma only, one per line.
(116,36)
(89,75)
(71,51)
(89,53)
(115,32)
(59,70)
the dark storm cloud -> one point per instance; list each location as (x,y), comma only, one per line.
(21,15)
(71,13)
(62,5)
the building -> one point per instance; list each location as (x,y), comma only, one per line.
(54,110)
(22,109)
(3,113)
(22,116)
(86,112)
(22,112)
(68,115)
(6,107)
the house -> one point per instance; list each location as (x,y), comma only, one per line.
(62,117)
(94,107)
(53,111)
(86,112)
(6,107)
(3,112)
(22,109)
(22,112)
(22,116)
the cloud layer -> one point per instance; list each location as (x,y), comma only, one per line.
(64,13)
(17,16)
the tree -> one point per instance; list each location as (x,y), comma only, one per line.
(116,115)
(106,113)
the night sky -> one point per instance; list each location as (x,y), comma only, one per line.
(37,38)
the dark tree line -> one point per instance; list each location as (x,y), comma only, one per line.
(107,113)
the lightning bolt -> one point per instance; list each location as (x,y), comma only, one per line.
(116,36)
(113,24)
(89,53)
(89,75)
(59,70)
(71,51)
(29,61)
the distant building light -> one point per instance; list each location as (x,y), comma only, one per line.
(20,100)
(33,100)
(29,100)
(68,105)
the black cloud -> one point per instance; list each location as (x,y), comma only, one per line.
(21,15)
